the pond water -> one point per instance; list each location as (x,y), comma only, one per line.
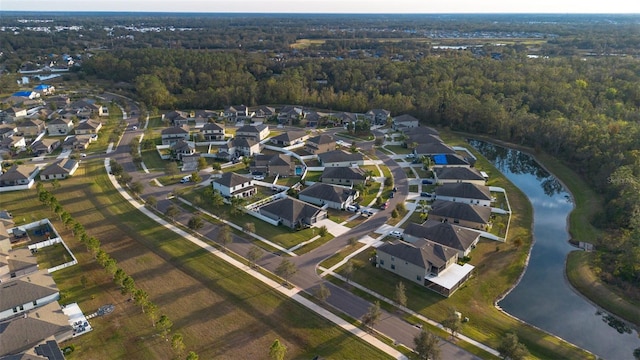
(544,297)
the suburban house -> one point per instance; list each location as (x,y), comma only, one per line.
(45,89)
(434,148)
(445,175)
(293,213)
(190,162)
(238,147)
(465,193)
(16,262)
(467,215)
(172,135)
(8,130)
(313,118)
(333,196)
(289,114)
(44,146)
(177,117)
(418,139)
(239,112)
(27,94)
(404,121)
(345,118)
(86,108)
(232,184)
(27,292)
(61,169)
(278,164)
(212,132)
(77,142)
(426,263)
(60,127)
(13,114)
(60,101)
(340,158)
(346,176)
(89,126)
(320,144)
(443,233)
(264,112)
(289,138)
(31,127)
(378,116)
(420,131)
(182,148)
(13,144)
(19,175)
(257,132)
(449,160)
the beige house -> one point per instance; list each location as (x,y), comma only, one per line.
(60,127)
(31,127)
(257,132)
(88,127)
(345,176)
(19,175)
(44,146)
(457,213)
(60,169)
(320,144)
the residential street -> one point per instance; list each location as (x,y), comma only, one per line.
(306,278)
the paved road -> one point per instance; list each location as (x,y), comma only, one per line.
(306,278)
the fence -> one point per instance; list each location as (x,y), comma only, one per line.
(49,242)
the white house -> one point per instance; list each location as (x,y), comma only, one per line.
(27,292)
(465,193)
(232,184)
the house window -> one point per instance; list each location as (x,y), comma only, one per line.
(393,267)
(15,310)
(418,277)
(35,302)
(21,307)
(381,262)
(456,221)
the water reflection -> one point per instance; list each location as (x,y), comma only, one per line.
(543,297)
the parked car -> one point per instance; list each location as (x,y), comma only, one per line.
(367,212)
(396,233)
(384,206)
(351,208)
(83,155)
(257,176)
(411,156)
(391,195)
(427,181)
(425,194)
(394,189)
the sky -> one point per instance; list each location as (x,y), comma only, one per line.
(332,6)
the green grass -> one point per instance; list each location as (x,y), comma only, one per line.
(336,258)
(398,149)
(313,176)
(221,312)
(53,255)
(152,160)
(586,282)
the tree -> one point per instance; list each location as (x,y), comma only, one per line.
(164,325)
(177,344)
(348,270)
(171,169)
(195,223)
(254,254)
(152,312)
(152,201)
(249,227)
(401,296)
(202,163)
(236,205)
(192,356)
(427,346)
(322,231)
(510,348)
(119,276)
(171,211)
(286,269)
(372,316)
(136,187)
(225,236)
(55,183)
(195,177)
(128,285)
(452,322)
(141,298)
(277,350)
(323,292)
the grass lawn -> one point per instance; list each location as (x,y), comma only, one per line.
(53,255)
(221,312)
(152,160)
(336,258)
(398,149)
(370,193)
(288,181)
(313,176)
(499,224)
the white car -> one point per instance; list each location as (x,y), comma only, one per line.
(396,233)
(258,177)
(83,155)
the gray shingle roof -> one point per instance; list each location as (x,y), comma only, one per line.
(62,166)
(289,136)
(339,156)
(328,192)
(461,211)
(446,234)
(348,173)
(232,179)
(26,289)
(434,148)
(321,139)
(464,190)
(458,173)
(421,253)
(293,210)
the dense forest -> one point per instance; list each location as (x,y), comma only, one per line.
(579,100)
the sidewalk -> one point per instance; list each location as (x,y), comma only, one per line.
(291,293)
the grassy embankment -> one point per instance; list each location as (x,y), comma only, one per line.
(222,312)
